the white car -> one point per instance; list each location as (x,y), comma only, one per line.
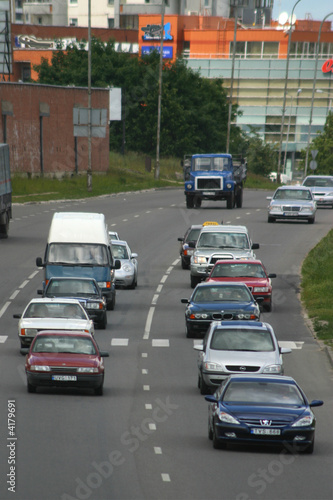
(292,202)
(322,189)
(52,314)
(127,275)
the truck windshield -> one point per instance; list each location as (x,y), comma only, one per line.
(214,163)
(71,253)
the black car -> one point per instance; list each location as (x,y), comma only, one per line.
(86,290)
(191,234)
(261,409)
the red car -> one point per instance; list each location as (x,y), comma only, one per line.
(64,359)
(250,272)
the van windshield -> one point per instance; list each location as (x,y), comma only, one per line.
(73,253)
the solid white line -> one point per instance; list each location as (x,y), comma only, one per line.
(160,343)
(14,295)
(148,323)
(23,284)
(158,450)
(165,477)
(4,308)
(119,342)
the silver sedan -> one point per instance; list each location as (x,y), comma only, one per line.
(231,347)
(322,189)
(127,275)
(292,202)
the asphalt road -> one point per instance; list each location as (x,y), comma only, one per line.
(146,438)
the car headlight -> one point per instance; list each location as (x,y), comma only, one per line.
(95,305)
(261,289)
(102,284)
(307,209)
(273,369)
(40,368)
(229,185)
(127,268)
(188,186)
(304,421)
(199,316)
(29,332)
(213,367)
(253,315)
(199,259)
(85,369)
(225,417)
(275,208)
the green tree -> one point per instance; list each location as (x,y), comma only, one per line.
(324,144)
(261,156)
(194,111)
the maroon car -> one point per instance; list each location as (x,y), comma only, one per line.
(64,359)
(250,272)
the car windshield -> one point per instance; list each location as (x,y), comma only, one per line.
(221,294)
(241,270)
(55,310)
(223,240)
(64,344)
(119,251)
(242,340)
(89,254)
(71,288)
(292,194)
(319,182)
(267,393)
(211,163)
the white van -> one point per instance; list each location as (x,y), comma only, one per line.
(78,245)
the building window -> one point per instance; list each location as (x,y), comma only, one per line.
(110,2)
(110,22)
(73,2)
(26,73)
(254,49)
(240,49)
(271,50)
(73,21)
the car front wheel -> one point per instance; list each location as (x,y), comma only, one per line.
(31,388)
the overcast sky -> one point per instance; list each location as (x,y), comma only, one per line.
(318,9)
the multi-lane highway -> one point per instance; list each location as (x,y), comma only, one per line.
(146,438)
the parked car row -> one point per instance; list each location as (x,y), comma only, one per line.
(239,358)
(83,265)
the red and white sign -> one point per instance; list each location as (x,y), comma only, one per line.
(327,66)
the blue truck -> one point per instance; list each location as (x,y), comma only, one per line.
(217,176)
(5,191)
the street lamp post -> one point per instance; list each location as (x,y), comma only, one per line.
(313,93)
(159,104)
(236,2)
(89,170)
(287,140)
(285,92)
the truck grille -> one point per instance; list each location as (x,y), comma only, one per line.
(207,183)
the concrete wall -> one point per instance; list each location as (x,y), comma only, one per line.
(37,124)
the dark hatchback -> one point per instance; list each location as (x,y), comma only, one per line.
(185,251)
(86,290)
(260,409)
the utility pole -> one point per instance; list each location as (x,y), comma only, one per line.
(159,106)
(89,171)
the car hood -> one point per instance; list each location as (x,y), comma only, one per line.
(239,358)
(300,203)
(63,359)
(322,190)
(246,412)
(245,279)
(222,306)
(224,253)
(55,323)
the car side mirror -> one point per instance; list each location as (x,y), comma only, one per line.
(255,246)
(24,351)
(198,347)
(117,264)
(211,399)
(104,354)
(316,402)
(184,301)
(284,350)
(272,275)
(39,292)
(39,262)
(17,316)
(180,239)
(134,256)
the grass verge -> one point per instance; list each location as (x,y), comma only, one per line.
(317,288)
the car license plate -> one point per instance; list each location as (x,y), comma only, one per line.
(64,378)
(266,432)
(290,213)
(208,193)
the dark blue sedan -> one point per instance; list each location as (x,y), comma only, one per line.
(212,301)
(261,409)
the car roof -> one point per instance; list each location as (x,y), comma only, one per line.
(238,261)
(66,278)
(224,229)
(294,188)
(119,242)
(57,300)
(235,324)
(263,378)
(318,177)
(221,284)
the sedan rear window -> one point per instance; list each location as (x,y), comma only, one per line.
(242,340)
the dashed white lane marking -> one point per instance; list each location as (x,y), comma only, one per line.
(136,216)
(164,278)
(290,344)
(154,299)
(165,477)
(160,343)
(144,371)
(157,450)
(144,355)
(33,275)
(146,387)
(125,220)
(168,271)
(12,297)
(152,427)
(119,342)
(148,406)
(25,282)
(148,323)
(3,309)
(3,338)
(159,288)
